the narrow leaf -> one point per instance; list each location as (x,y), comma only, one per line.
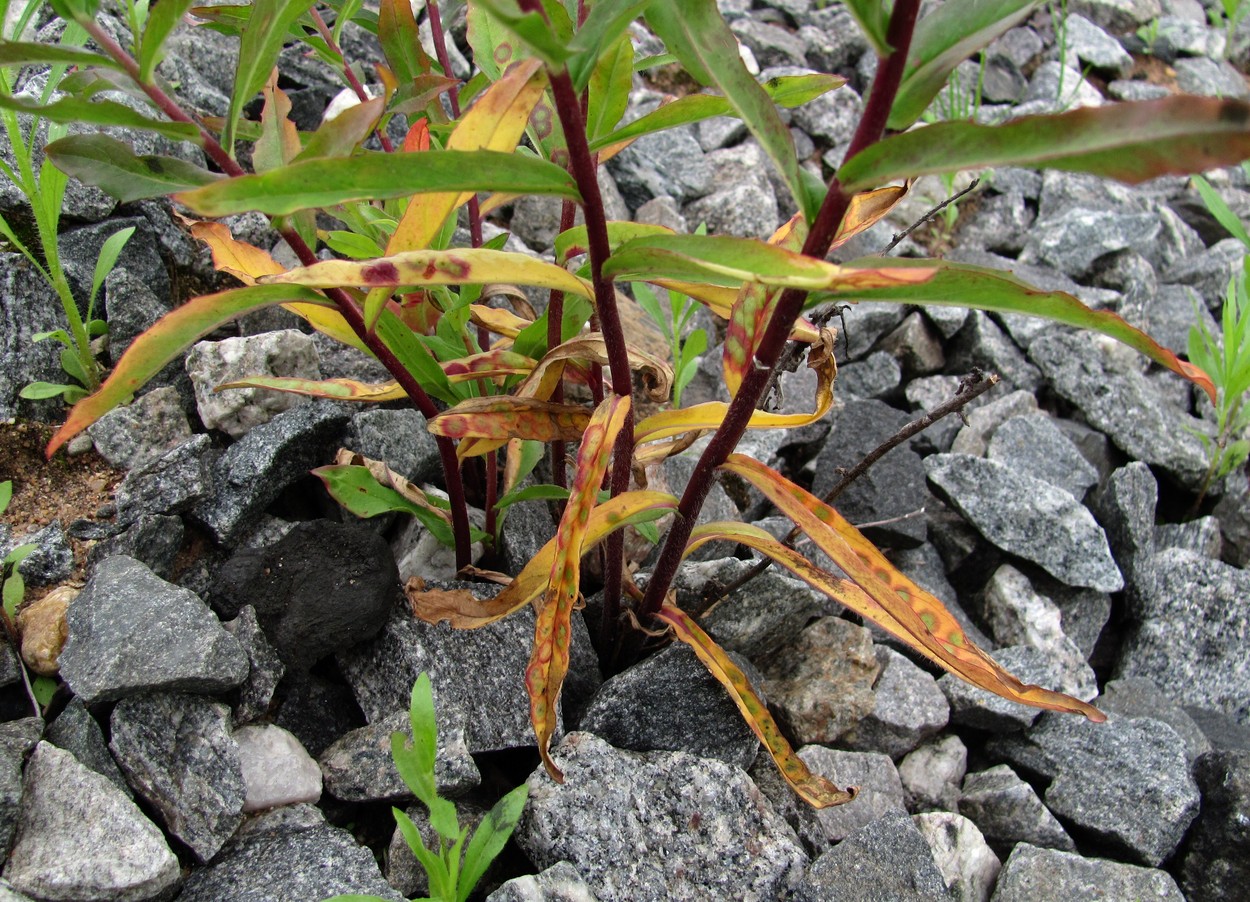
(114,167)
(873,18)
(1221,211)
(401,43)
(334,389)
(167,340)
(503,417)
(73,110)
(489,839)
(259,46)
(532,29)
(608,90)
(892,600)
(1132,142)
(965,285)
(20,53)
(604,27)
(163,18)
(109,252)
(549,661)
(379,176)
(344,133)
(812,788)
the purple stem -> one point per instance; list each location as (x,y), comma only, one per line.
(352,80)
(789,306)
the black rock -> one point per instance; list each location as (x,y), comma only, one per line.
(265,667)
(171,484)
(1216,860)
(320,589)
(28,306)
(51,560)
(152,540)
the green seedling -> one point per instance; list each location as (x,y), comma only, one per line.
(673,315)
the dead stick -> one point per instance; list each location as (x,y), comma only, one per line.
(928,217)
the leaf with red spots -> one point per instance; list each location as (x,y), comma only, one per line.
(812,788)
(503,417)
(890,599)
(549,661)
(335,389)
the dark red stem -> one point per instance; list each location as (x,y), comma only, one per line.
(352,80)
(789,306)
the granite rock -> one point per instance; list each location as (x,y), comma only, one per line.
(1031,874)
(1008,811)
(885,859)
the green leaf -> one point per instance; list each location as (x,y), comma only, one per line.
(263,36)
(873,18)
(609,87)
(11,595)
(43,688)
(664,21)
(356,489)
(532,340)
(75,10)
(43,391)
(965,285)
(113,166)
(19,53)
(1131,142)
(163,18)
(109,252)
(71,110)
(1221,211)
(19,554)
(944,38)
(378,176)
(168,340)
(716,48)
(489,839)
(433,864)
(415,357)
(6,494)
(344,133)
(548,42)
(605,26)
(401,45)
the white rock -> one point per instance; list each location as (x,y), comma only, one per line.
(933,774)
(277,770)
(967,864)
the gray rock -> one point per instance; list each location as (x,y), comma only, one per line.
(1029,518)
(983,421)
(968,865)
(873,774)
(1233,513)
(926,393)
(1135,697)
(400,439)
(670,702)
(1117,16)
(257,469)
(863,325)
(1189,631)
(698,828)
(80,837)
(78,732)
(492,711)
(894,486)
(887,859)
(131,632)
(976,707)
(536,218)
(981,343)
(830,118)
(1007,811)
(359,767)
(153,541)
(909,708)
(1201,536)
(17,739)
(1209,271)
(1019,45)
(28,306)
(1095,47)
(265,667)
(772,46)
(1143,799)
(1055,88)
(1035,446)
(1137,91)
(1000,224)
(527,527)
(713,134)
(275,861)
(662,211)
(320,589)
(916,346)
(822,685)
(1216,862)
(51,560)
(742,202)
(1075,238)
(933,773)
(142,431)
(177,754)
(277,769)
(669,163)
(1208,77)
(559,883)
(876,376)
(172,483)
(758,620)
(1125,506)
(1037,875)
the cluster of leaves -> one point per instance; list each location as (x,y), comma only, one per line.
(43,186)
(499,383)
(453,869)
(12,591)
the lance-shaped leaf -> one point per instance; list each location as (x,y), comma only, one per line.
(873,18)
(867,209)
(814,789)
(167,340)
(549,661)
(259,45)
(719,301)
(488,364)
(899,605)
(785,91)
(334,389)
(21,53)
(101,112)
(706,41)
(378,176)
(541,37)
(1131,142)
(965,285)
(503,417)
(495,122)
(461,266)
(946,36)
(604,25)
(494,319)
(113,167)
(722,260)
(576,241)
(401,41)
(711,414)
(163,18)
(626,509)
(339,136)
(657,374)
(609,87)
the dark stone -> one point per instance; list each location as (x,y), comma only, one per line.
(171,484)
(1125,506)
(153,541)
(1216,859)
(1042,875)
(670,702)
(399,439)
(76,731)
(265,667)
(884,861)
(1007,811)
(131,632)
(178,756)
(1141,800)
(255,470)
(322,588)
(1072,240)
(316,711)
(892,487)
(916,345)
(527,527)
(909,708)
(51,560)
(28,306)
(18,739)
(982,344)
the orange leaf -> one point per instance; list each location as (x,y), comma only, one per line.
(337,389)
(502,417)
(812,788)
(867,208)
